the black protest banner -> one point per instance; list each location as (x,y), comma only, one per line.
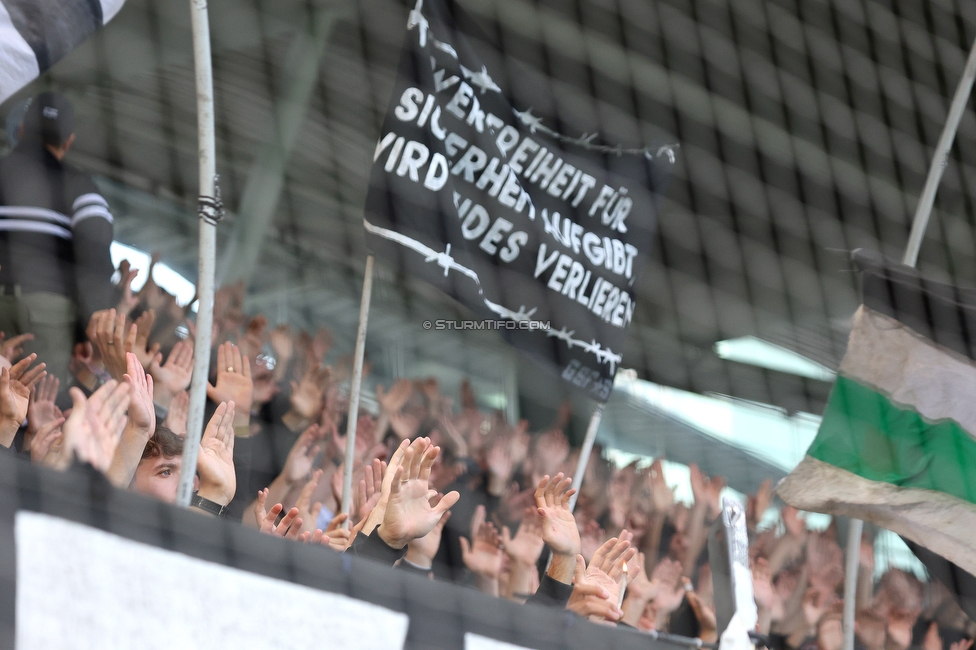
(474,192)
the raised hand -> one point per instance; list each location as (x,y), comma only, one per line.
(41,408)
(12,348)
(233,382)
(172,377)
(409,514)
(421,551)
(308,511)
(391,402)
(339,537)
(140,425)
(307,395)
(559,529)
(254,337)
(46,440)
(179,410)
(290,526)
(15,385)
(483,554)
(142,412)
(768,601)
(370,489)
(706,618)
(758,504)
(671,589)
(639,586)
(301,457)
(137,340)
(590,598)
(662,496)
(795,524)
(92,430)
(609,565)
(109,333)
(283,346)
(127,300)
(526,546)
(215,464)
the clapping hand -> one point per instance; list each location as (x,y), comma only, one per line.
(290,526)
(483,554)
(233,382)
(179,410)
(608,568)
(559,529)
(137,340)
(590,598)
(370,489)
(409,514)
(12,348)
(41,408)
(172,377)
(525,548)
(215,464)
(92,430)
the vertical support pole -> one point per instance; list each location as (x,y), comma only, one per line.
(850,585)
(208,248)
(585,452)
(355,388)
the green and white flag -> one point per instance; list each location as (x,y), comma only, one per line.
(897,445)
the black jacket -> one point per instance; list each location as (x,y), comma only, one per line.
(55,229)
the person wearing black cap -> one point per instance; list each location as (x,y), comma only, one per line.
(55,234)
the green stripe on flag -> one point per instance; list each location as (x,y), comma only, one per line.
(864,433)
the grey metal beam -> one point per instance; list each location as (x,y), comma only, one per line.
(263,190)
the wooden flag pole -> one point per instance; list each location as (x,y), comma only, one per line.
(585,452)
(919,223)
(355,389)
(209,213)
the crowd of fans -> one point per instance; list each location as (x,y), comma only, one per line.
(447,490)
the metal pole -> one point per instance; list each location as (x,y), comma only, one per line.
(585,452)
(940,160)
(850,586)
(208,249)
(355,388)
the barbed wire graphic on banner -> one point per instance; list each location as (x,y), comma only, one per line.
(448,263)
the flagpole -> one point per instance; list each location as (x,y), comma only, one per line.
(585,452)
(919,223)
(209,213)
(940,160)
(355,388)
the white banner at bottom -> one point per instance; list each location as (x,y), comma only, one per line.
(79,588)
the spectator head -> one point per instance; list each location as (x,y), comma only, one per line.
(51,120)
(158,473)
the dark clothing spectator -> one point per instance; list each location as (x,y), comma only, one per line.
(55,234)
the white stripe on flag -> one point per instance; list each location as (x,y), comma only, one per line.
(110,8)
(18,65)
(910,369)
(17,225)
